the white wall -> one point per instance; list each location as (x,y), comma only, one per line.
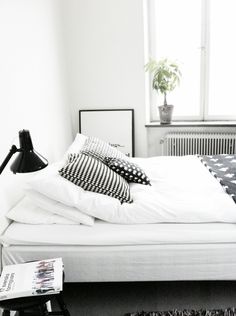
(105,47)
(32,76)
(59,56)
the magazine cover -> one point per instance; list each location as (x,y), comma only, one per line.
(42,277)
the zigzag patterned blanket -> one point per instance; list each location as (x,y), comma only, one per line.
(223,168)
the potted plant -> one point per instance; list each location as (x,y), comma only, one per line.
(166,75)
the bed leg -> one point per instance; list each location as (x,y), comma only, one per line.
(62,305)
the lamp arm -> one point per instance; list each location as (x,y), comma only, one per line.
(12,151)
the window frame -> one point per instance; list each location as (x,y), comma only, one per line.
(150,50)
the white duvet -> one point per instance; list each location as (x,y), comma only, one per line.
(182,191)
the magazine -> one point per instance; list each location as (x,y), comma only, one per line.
(42,277)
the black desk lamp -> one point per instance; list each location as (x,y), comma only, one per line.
(27,159)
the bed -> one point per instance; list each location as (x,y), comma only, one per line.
(192,237)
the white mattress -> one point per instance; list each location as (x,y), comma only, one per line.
(103,233)
(135,263)
(108,252)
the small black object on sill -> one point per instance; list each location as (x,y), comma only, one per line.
(27,160)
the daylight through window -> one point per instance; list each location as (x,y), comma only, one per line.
(199,35)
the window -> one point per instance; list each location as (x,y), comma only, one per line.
(199,35)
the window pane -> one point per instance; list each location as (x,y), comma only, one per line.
(178,37)
(222,58)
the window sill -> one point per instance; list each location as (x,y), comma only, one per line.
(193,123)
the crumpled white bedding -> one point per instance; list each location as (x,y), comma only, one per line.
(182,191)
(27,212)
(56,208)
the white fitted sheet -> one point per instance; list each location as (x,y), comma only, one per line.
(110,252)
(103,233)
(135,263)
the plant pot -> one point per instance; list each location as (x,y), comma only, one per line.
(165,112)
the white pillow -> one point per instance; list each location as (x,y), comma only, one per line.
(76,146)
(49,183)
(55,207)
(28,213)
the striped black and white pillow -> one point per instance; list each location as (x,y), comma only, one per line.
(93,175)
(101,150)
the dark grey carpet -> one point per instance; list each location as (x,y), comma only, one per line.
(117,299)
(201,312)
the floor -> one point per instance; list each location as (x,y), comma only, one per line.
(116,299)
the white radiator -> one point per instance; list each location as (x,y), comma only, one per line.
(179,144)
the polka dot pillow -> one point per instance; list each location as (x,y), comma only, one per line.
(128,170)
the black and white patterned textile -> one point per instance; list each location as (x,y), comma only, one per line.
(128,170)
(101,150)
(93,175)
(223,168)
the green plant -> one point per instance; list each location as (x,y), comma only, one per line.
(166,75)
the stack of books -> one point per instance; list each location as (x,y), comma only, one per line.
(44,277)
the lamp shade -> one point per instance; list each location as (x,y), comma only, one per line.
(27,160)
